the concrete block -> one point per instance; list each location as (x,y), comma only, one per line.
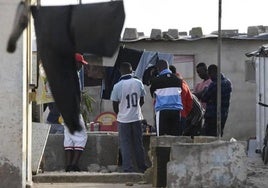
(215,164)
(174,33)
(196,32)
(265,29)
(253,31)
(156,34)
(160,151)
(130,34)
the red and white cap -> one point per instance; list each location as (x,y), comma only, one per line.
(80,58)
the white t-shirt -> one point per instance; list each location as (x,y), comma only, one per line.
(128,92)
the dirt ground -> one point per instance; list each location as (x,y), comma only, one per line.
(257,173)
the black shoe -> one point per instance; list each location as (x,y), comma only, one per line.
(75,168)
(68,168)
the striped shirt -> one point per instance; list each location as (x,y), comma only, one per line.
(166,89)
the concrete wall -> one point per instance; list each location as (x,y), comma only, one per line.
(12,104)
(242,116)
(215,164)
(101,149)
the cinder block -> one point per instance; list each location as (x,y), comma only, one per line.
(265,29)
(174,33)
(196,32)
(130,34)
(253,31)
(156,34)
(216,164)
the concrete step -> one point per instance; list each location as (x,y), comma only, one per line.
(87,177)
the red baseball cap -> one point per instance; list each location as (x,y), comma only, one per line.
(80,58)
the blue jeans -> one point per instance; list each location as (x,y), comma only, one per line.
(130,140)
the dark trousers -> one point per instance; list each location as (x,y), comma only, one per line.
(210,126)
(130,139)
(169,122)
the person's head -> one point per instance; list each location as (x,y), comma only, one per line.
(173,69)
(161,64)
(212,72)
(125,68)
(201,69)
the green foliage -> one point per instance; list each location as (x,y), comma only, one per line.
(86,105)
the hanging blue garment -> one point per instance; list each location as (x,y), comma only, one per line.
(147,59)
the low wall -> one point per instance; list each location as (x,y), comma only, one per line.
(101,148)
(216,164)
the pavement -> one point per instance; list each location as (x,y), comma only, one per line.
(90,185)
(89,179)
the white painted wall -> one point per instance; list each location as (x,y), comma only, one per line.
(242,116)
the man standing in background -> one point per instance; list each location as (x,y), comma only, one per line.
(199,89)
(210,98)
(128,97)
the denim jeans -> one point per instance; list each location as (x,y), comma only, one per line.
(131,145)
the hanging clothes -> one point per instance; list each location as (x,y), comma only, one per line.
(147,59)
(166,56)
(124,55)
(146,68)
(97,27)
(61,31)
(129,55)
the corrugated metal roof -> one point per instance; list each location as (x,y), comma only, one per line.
(261,52)
(262,36)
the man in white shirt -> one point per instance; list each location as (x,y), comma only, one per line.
(128,97)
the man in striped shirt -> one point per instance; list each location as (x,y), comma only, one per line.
(166,90)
